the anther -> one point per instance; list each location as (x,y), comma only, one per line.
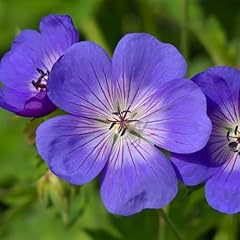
(236,130)
(41,84)
(112,125)
(40,71)
(126,111)
(123,131)
(116,113)
(234,141)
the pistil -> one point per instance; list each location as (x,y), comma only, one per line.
(121,120)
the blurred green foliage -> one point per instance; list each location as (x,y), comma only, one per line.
(34,204)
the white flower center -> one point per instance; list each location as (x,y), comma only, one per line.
(121,121)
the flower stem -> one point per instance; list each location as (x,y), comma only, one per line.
(164,216)
(184,28)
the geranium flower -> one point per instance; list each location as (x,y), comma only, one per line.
(218,164)
(118,112)
(25,69)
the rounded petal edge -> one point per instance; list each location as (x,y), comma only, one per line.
(138,176)
(74,150)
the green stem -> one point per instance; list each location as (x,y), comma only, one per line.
(161,229)
(167,219)
(184,28)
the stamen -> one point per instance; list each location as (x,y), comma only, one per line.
(122,120)
(112,125)
(120,129)
(115,113)
(123,132)
(41,83)
(236,130)
(234,144)
(126,112)
(40,71)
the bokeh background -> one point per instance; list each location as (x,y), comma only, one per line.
(34,204)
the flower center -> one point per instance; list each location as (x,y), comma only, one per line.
(41,83)
(234,140)
(120,121)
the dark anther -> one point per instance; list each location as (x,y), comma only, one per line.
(125,111)
(234,141)
(119,112)
(41,83)
(120,129)
(123,131)
(40,71)
(236,130)
(116,113)
(112,125)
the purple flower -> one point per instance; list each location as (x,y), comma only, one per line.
(218,164)
(25,69)
(118,111)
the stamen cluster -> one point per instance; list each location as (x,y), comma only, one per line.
(234,141)
(41,83)
(122,120)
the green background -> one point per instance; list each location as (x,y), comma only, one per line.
(35,204)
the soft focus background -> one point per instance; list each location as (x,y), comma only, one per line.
(34,204)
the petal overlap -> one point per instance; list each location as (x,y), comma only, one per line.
(174,117)
(118,112)
(218,163)
(82,81)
